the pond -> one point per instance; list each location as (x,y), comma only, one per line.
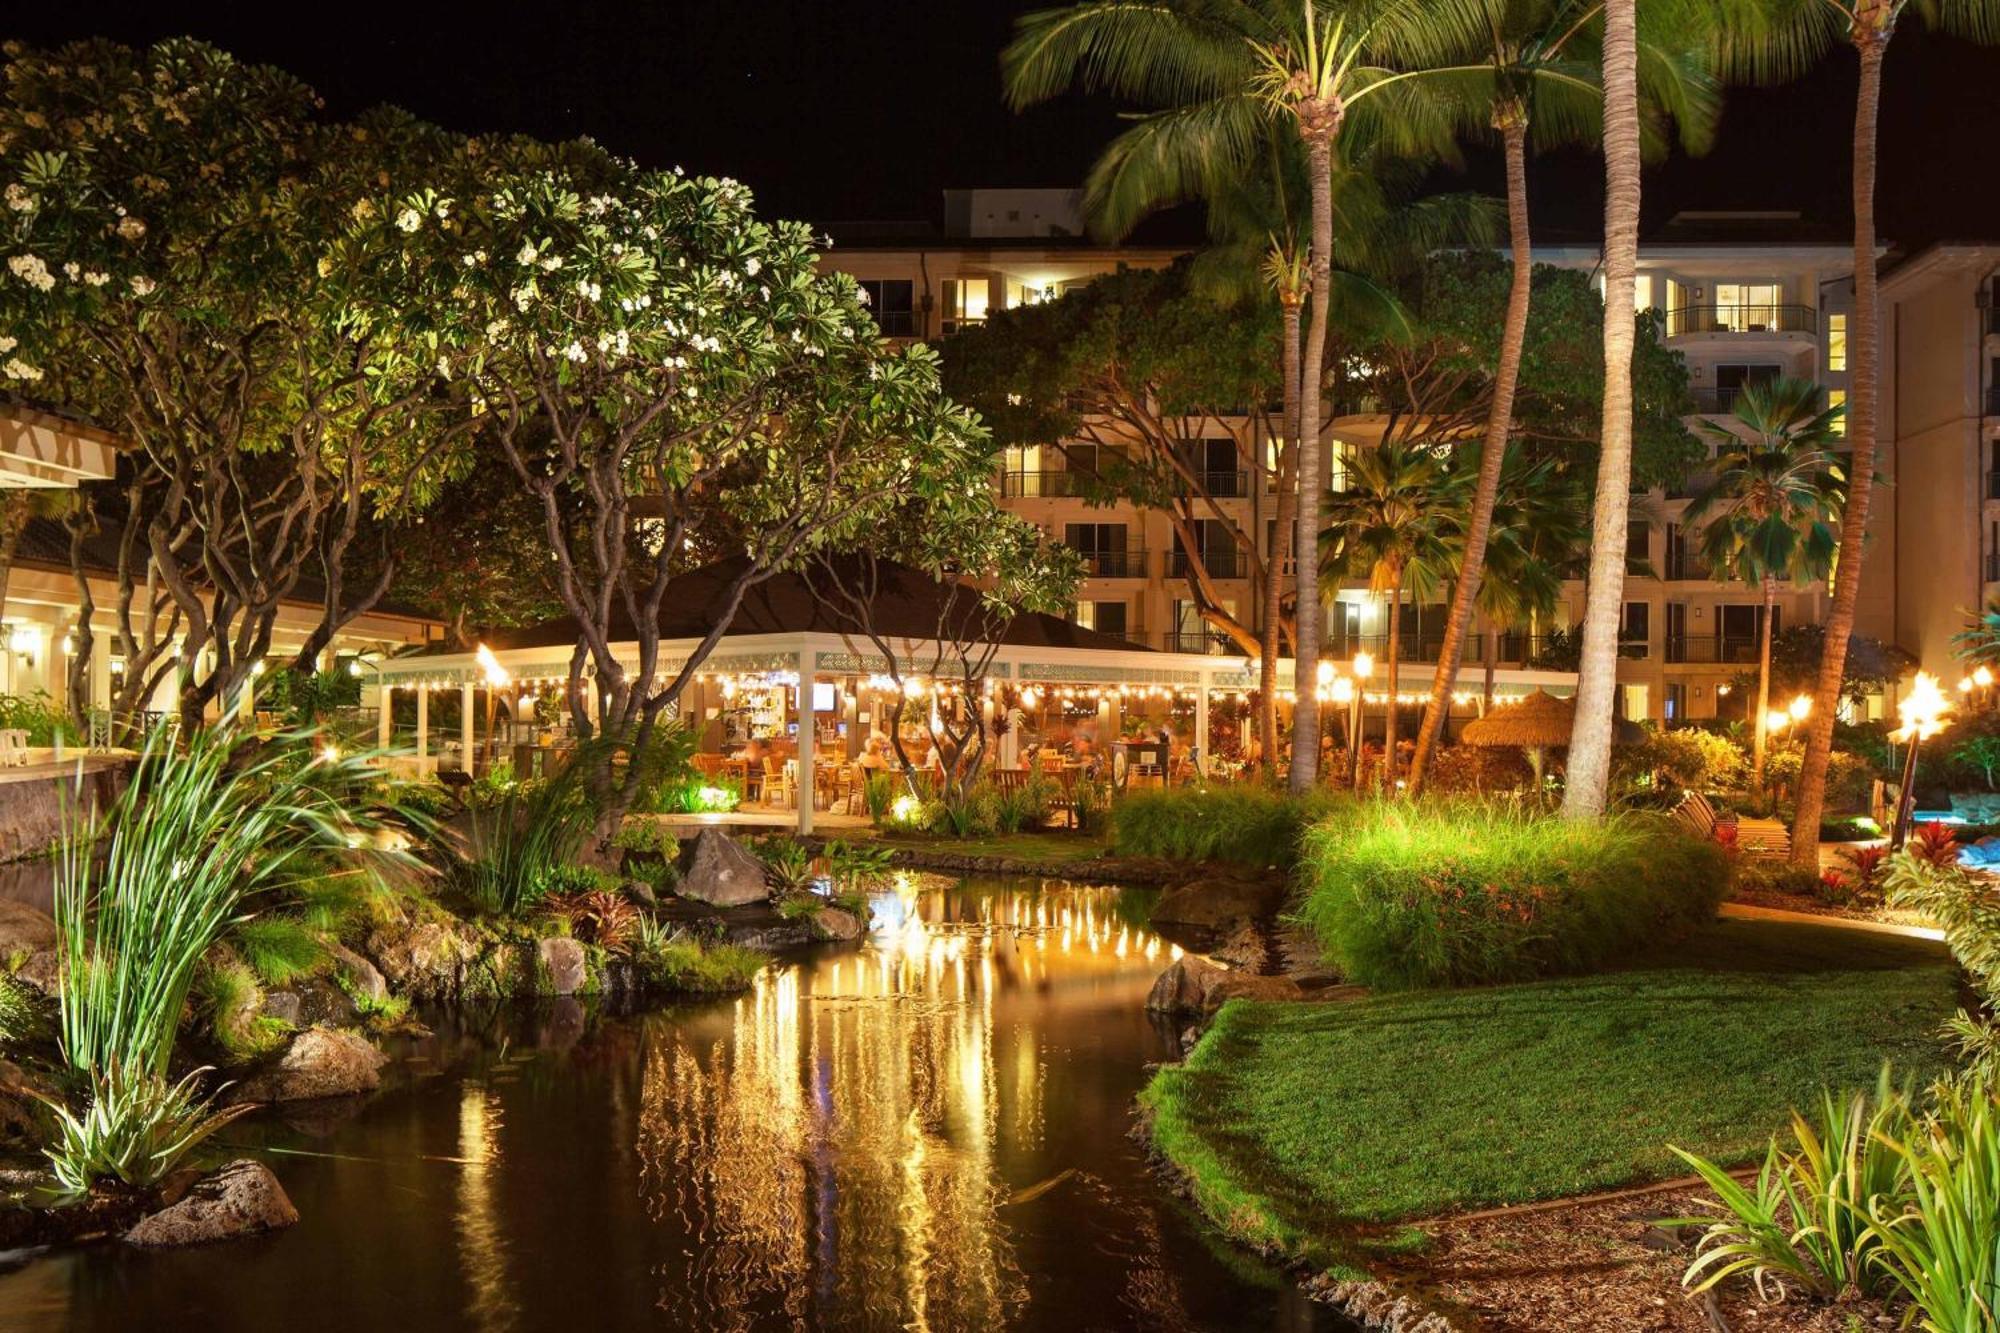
(930,1133)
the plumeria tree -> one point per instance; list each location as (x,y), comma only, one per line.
(670,379)
(167,214)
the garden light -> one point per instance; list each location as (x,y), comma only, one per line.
(1982,676)
(1777,720)
(1801,705)
(1343,690)
(1364,666)
(496,675)
(905,809)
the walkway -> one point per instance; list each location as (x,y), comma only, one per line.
(1747,912)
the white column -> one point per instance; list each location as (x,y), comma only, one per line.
(385,707)
(423,726)
(808,662)
(465,704)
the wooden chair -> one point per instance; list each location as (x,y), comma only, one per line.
(709,765)
(780,778)
(1008,779)
(1762,839)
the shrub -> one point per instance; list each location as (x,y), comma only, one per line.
(1776,877)
(524,842)
(227,996)
(196,832)
(1806,1222)
(1854,828)
(660,876)
(38,715)
(1015,808)
(603,917)
(1684,758)
(1937,1236)
(136,1129)
(1966,908)
(24,1013)
(695,795)
(1253,826)
(1457,894)
(668,958)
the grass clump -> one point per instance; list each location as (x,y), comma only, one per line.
(279,949)
(1246,825)
(670,960)
(137,1128)
(524,841)
(1458,894)
(1293,1122)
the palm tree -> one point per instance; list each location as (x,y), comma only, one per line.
(1767,514)
(1224,68)
(1538,538)
(1537,68)
(1398,519)
(1589,772)
(1779,39)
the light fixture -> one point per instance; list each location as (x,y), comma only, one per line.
(1982,676)
(496,675)
(1325,674)
(1800,706)
(1364,666)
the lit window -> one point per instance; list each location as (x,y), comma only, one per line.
(964,303)
(1838,398)
(1836,342)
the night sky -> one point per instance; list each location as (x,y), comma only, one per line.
(839,111)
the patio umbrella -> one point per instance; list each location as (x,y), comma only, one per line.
(1536,724)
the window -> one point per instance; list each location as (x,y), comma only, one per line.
(1838,398)
(1104,617)
(1747,307)
(1638,540)
(1212,464)
(1676,701)
(1836,342)
(1635,629)
(1215,546)
(964,303)
(1103,548)
(893,303)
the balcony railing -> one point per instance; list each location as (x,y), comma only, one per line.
(1203,641)
(1224,563)
(1712,649)
(1129,563)
(1223,485)
(1715,400)
(1044,484)
(1742,318)
(1509,649)
(1685,564)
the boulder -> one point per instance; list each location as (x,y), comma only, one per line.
(1194,985)
(309,1003)
(422,960)
(24,930)
(1206,910)
(837,924)
(722,874)
(639,891)
(319,1062)
(21,1111)
(364,980)
(41,970)
(565,967)
(241,1199)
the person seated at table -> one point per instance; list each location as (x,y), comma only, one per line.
(754,750)
(875,752)
(1083,751)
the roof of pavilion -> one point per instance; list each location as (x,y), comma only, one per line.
(906,604)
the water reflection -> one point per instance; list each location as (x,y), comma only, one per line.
(928,1133)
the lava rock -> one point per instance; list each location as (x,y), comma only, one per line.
(422,961)
(319,1062)
(722,874)
(24,930)
(1208,910)
(310,1003)
(1195,985)
(241,1199)
(639,891)
(363,978)
(564,964)
(837,924)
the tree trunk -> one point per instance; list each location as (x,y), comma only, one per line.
(1395,677)
(1287,507)
(1589,768)
(1492,659)
(1763,729)
(1306,618)
(1493,450)
(1872,31)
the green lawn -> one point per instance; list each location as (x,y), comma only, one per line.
(1293,1121)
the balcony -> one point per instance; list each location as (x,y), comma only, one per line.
(1684,565)
(1223,485)
(1991,573)
(1204,641)
(1711,649)
(1742,319)
(1228,563)
(1716,401)
(1129,563)
(1044,484)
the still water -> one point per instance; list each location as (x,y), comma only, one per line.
(929,1133)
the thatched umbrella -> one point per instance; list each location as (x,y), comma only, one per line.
(1536,724)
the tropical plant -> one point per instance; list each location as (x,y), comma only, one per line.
(1397,520)
(137,1128)
(38,715)
(1535,69)
(603,917)
(1247,825)
(787,862)
(1768,512)
(1807,1222)
(1223,74)
(519,846)
(878,795)
(1935,1237)
(1967,909)
(197,831)
(1774,40)
(855,865)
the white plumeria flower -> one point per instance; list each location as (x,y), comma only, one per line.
(142,285)
(528,253)
(131,228)
(31,270)
(575,351)
(409,219)
(17,369)
(8,344)
(752,266)
(19,199)
(73,271)
(95,278)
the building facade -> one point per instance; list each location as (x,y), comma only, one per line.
(1741,297)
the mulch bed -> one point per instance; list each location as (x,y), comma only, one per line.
(1602,1266)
